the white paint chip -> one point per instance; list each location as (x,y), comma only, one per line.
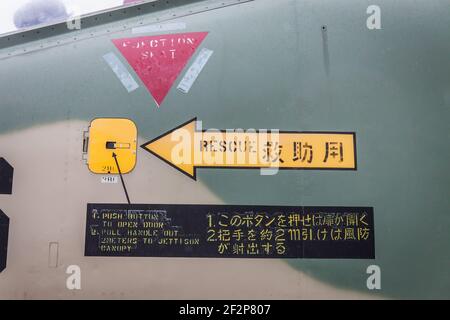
(194,71)
(53,254)
(160,27)
(121,72)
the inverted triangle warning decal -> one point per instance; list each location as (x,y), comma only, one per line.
(158,60)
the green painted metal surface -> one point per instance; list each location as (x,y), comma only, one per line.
(269,70)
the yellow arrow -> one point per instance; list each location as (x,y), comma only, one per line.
(187,148)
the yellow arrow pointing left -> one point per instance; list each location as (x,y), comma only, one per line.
(187,149)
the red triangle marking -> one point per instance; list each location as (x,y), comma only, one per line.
(158,60)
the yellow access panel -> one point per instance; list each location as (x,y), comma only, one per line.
(109,137)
